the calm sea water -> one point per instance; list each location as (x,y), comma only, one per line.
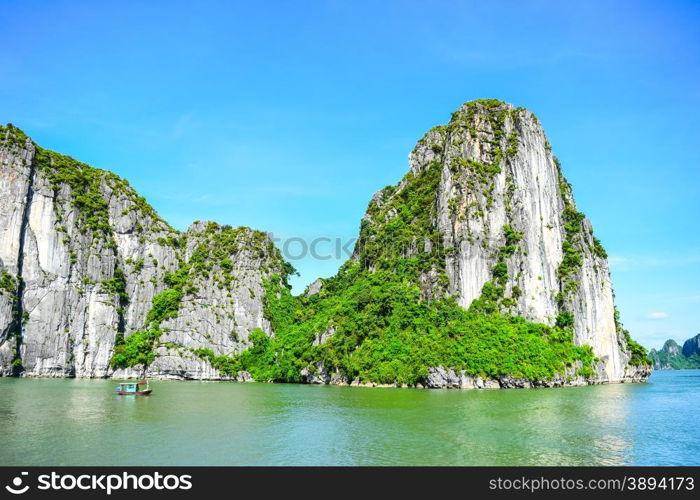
(81,422)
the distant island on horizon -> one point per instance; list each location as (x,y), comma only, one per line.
(672,356)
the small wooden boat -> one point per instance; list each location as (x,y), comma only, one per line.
(134,389)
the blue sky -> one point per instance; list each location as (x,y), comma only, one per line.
(288,116)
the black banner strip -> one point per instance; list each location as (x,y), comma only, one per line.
(324,482)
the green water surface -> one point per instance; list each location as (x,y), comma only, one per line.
(82,422)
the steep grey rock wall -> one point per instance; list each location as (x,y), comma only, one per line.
(223,308)
(14,190)
(68,232)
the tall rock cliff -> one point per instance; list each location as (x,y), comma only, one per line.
(86,263)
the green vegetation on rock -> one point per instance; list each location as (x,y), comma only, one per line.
(116,285)
(639,354)
(8,282)
(382,331)
(399,225)
(572,259)
(11,135)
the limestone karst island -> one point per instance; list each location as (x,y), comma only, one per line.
(476,270)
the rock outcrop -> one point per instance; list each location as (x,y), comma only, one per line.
(674,357)
(82,258)
(93,283)
(506,231)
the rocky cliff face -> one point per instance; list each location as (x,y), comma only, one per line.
(82,258)
(504,230)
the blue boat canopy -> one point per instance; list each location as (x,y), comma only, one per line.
(132,386)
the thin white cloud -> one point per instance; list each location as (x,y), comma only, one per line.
(626,263)
(205,199)
(657,315)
